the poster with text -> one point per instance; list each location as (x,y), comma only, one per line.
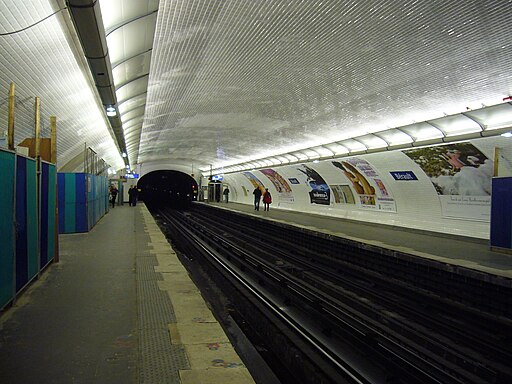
(284,191)
(256,183)
(342,194)
(367,184)
(461,175)
(320,192)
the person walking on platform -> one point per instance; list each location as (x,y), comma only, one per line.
(113,195)
(267,200)
(257,197)
(226,194)
(132,196)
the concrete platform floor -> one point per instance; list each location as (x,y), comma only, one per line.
(117,308)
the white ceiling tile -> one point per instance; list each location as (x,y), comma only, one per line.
(257,78)
(236,80)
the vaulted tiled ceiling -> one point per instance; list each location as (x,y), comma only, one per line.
(130,29)
(237,79)
(230,81)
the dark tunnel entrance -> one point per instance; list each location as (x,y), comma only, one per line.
(167,189)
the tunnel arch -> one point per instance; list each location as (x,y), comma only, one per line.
(148,167)
(167,188)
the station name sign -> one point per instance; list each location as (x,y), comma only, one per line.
(131,176)
(403,175)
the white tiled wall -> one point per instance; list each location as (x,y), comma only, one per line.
(417,203)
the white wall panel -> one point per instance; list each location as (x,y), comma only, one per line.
(417,202)
(487,145)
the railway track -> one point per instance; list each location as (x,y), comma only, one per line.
(359,325)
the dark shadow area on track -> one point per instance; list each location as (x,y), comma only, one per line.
(167,189)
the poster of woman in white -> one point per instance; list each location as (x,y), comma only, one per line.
(461,175)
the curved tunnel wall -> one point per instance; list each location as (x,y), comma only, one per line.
(147,168)
(442,188)
(167,187)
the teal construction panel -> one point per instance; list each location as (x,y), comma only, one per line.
(70,205)
(32,220)
(52,195)
(91,196)
(81,203)
(7,165)
(97,196)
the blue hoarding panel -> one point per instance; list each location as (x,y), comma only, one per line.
(70,201)
(52,198)
(43,204)
(61,187)
(7,165)
(32,220)
(81,205)
(21,223)
(47,213)
(82,201)
(501,212)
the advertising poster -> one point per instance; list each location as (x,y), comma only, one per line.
(284,191)
(461,175)
(367,184)
(256,183)
(342,194)
(320,192)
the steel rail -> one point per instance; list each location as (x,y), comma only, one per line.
(465,360)
(274,307)
(332,309)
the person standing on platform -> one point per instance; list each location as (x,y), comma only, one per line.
(113,195)
(226,194)
(267,200)
(135,195)
(257,197)
(132,196)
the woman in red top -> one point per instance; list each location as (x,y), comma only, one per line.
(267,200)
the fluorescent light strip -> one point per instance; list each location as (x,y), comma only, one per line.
(446,129)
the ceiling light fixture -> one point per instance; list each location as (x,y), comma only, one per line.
(111,111)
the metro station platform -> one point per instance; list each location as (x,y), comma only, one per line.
(118,308)
(462,251)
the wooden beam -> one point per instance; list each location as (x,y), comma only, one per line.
(10,121)
(37,126)
(496,164)
(53,139)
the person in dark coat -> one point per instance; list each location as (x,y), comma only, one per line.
(257,198)
(226,195)
(113,195)
(267,200)
(132,196)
